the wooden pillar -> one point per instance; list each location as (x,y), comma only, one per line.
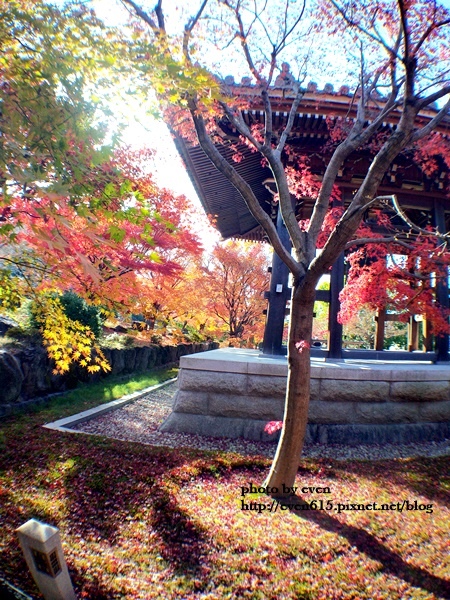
(336,285)
(427,336)
(442,354)
(413,334)
(278,295)
(380,320)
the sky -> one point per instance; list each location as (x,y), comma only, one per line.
(142,130)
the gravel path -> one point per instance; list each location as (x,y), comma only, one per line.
(139,422)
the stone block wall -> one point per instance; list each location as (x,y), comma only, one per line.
(26,374)
(222,394)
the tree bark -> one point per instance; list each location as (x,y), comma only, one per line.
(285,464)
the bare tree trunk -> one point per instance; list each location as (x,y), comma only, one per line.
(285,464)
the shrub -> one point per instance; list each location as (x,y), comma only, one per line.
(192,334)
(22,334)
(77,309)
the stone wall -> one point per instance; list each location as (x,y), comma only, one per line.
(234,394)
(26,373)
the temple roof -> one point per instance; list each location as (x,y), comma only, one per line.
(309,133)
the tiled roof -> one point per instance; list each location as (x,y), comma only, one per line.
(221,200)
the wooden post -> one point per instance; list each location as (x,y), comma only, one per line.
(427,336)
(413,334)
(336,285)
(278,295)
(380,320)
(442,341)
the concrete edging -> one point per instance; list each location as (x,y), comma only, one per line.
(86,415)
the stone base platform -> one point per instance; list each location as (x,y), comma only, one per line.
(235,392)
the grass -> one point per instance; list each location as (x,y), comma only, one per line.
(144,522)
(92,394)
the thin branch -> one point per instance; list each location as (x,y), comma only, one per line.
(25,264)
(405,30)
(160,16)
(243,39)
(357,137)
(428,31)
(263,25)
(189,27)
(245,190)
(282,42)
(25,46)
(433,97)
(382,240)
(359,27)
(240,124)
(399,211)
(143,15)
(429,127)
(292,113)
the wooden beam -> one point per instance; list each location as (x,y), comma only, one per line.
(442,342)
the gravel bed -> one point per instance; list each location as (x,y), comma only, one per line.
(139,422)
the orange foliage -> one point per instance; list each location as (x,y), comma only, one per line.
(100,247)
(235,280)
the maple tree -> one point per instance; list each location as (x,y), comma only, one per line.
(75,212)
(104,258)
(235,280)
(137,227)
(218,293)
(177,302)
(403,64)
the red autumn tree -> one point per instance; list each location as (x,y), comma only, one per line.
(137,228)
(399,277)
(102,248)
(401,67)
(235,280)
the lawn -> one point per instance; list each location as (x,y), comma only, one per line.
(144,522)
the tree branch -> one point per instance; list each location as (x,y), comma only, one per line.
(433,97)
(376,38)
(282,42)
(245,190)
(240,124)
(357,137)
(189,27)
(429,127)
(428,31)
(382,240)
(267,120)
(414,227)
(290,123)
(243,39)
(145,16)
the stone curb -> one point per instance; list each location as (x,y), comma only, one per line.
(10,592)
(66,423)
(352,434)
